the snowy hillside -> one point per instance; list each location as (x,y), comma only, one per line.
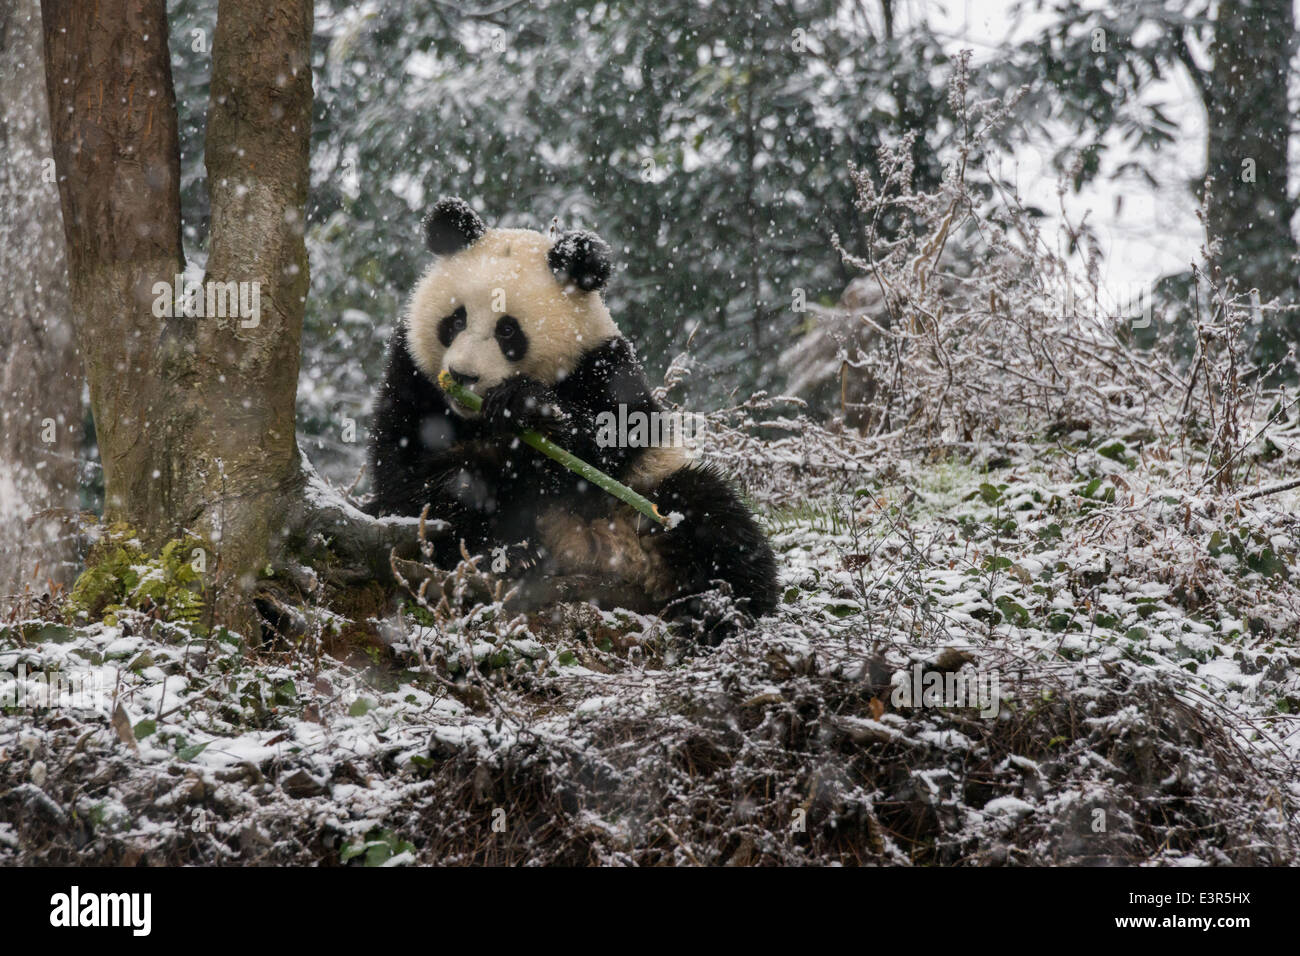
(1139,637)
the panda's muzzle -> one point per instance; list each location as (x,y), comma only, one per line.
(463,378)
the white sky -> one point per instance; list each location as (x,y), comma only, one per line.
(1154,231)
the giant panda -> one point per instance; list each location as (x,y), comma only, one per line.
(519,319)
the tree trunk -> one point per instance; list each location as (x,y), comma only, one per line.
(113,121)
(1249,208)
(40,370)
(194,414)
(244,465)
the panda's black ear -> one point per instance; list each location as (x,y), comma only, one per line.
(583,257)
(451,225)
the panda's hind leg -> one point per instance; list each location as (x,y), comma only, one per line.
(717,539)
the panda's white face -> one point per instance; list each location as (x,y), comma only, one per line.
(495,309)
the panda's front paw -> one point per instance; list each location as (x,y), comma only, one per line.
(521,402)
(517,560)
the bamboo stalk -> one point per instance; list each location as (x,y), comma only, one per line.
(553,451)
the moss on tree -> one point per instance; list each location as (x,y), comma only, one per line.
(122,575)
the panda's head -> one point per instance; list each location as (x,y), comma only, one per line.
(501,302)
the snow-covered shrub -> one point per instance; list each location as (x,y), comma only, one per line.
(969,323)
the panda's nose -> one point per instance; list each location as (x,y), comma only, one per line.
(460,378)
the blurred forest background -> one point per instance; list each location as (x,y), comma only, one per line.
(710,144)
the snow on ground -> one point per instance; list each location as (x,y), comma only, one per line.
(1129,644)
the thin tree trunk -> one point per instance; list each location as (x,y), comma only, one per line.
(40,370)
(751,187)
(1249,208)
(257,148)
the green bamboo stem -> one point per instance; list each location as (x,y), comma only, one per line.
(553,451)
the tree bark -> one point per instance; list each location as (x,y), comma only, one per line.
(195,414)
(40,370)
(1248,206)
(113,122)
(258,142)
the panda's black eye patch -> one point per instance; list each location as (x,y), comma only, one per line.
(511,338)
(451,326)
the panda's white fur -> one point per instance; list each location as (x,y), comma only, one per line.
(505,272)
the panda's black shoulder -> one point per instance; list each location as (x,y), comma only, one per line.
(406,389)
(608,375)
(411,418)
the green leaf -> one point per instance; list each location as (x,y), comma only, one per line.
(286,693)
(352,850)
(379,847)
(49,634)
(191,751)
(1116,452)
(1013,611)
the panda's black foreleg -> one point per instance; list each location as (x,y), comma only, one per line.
(522,402)
(718,539)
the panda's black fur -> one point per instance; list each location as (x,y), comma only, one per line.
(477,475)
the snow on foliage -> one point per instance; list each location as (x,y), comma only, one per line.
(1142,636)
